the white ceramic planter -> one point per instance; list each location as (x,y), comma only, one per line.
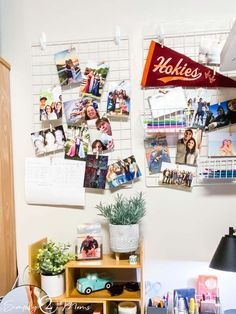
(124,238)
(54,286)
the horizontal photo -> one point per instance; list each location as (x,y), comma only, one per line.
(177,176)
(122,171)
(48,140)
(221,115)
(222,144)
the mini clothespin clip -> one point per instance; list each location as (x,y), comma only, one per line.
(43,41)
(117,36)
(51,128)
(97,153)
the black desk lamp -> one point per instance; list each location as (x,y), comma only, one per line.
(225,254)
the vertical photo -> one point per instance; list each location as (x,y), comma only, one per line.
(157,151)
(89,242)
(95,172)
(132,170)
(94,79)
(50,104)
(188,147)
(105,133)
(68,68)
(118,100)
(77,142)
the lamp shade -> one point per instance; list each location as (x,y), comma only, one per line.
(225,254)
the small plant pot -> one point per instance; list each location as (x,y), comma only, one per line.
(54,285)
(124,238)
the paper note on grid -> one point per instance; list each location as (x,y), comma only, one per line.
(167,101)
(54,181)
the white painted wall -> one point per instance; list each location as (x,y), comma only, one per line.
(181,230)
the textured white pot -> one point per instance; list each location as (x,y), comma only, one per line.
(124,238)
(54,286)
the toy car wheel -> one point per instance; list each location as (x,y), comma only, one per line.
(108,285)
(88,291)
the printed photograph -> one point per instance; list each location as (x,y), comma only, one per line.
(77,142)
(89,241)
(105,133)
(188,147)
(197,112)
(157,151)
(50,104)
(221,115)
(222,144)
(118,100)
(166,101)
(80,110)
(177,176)
(95,171)
(122,171)
(68,68)
(48,140)
(94,79)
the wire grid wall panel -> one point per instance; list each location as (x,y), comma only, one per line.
(188,44)
(45,77)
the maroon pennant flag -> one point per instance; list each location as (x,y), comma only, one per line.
(165,67)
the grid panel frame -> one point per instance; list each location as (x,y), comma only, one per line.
(45,77)
(188,44)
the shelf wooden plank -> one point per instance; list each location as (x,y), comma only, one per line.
(99,297)
(108,261)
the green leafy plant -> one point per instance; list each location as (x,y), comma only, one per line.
(124,211)
(51,259)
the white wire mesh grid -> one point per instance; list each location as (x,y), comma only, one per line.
(45,76)
(188,44)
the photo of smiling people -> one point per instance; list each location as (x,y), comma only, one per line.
(188,147)
(104,126)
(177,176)
(95,75)
(68,68)
(118,100)
(50,104)
(77,142)
(48,140)
(95,172)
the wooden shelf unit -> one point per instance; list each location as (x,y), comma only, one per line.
(120,270)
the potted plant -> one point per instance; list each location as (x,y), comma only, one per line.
(50,263)
(124,216)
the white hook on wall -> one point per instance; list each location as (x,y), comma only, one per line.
(117,36)
(43,41)
(159,33)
